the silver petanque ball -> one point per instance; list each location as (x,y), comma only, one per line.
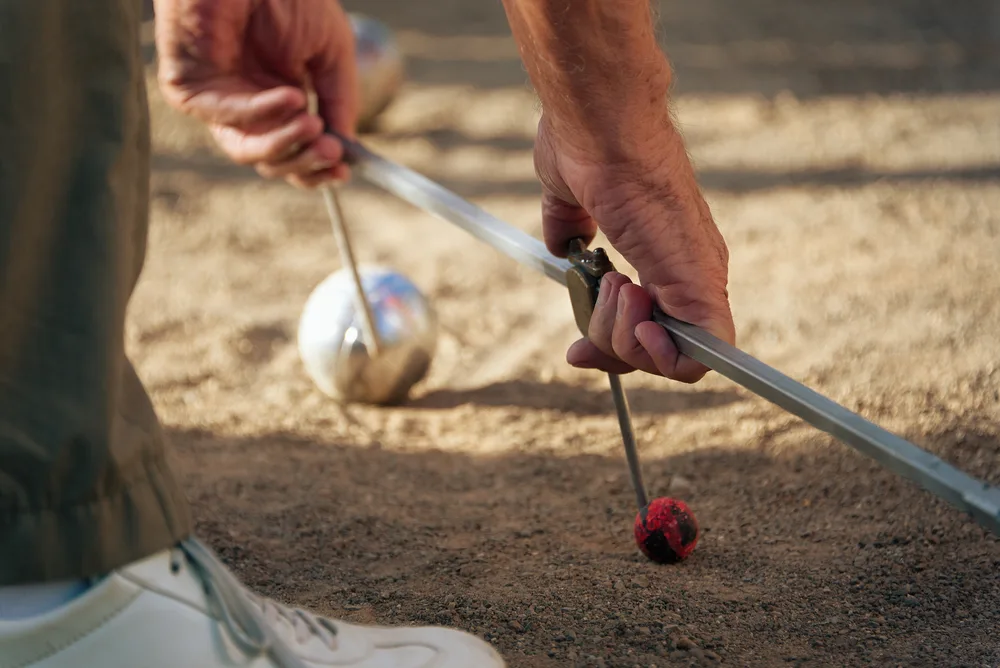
(331,337)
(381,67)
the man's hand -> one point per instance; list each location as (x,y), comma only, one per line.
(242,67)
(652,212)
(609,157)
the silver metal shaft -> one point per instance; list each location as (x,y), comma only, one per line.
(628,439)
(363,306)
(980,499)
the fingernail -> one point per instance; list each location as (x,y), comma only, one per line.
(621,303)
(602,293)
(321,166)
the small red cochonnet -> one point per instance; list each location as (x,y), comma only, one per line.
(666,530)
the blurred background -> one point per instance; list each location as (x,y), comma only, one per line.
(850,151)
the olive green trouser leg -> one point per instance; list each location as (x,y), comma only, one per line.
(83,483)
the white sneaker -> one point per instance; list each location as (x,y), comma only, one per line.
(183,609)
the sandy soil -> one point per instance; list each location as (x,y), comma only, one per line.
(851,153)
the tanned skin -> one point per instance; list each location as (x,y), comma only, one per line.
(607,152)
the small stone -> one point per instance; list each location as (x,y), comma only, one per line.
(684,643)
(697,652)
(678,655)
(680,484)
(517,626)
(712,656)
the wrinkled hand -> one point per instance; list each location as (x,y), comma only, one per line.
(242,67)
(651,210)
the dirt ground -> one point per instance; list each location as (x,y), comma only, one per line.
(851,153)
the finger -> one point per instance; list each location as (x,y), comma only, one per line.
(270,147)
(710,312)
(602,322)
(320,156)
(334,78)
(339,174)
(234,102)
(303,163)
(585,355)
(634,306)
(563,221)
(665,356)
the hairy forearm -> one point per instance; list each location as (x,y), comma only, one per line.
(596,67)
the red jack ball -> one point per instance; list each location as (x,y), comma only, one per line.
(666,530)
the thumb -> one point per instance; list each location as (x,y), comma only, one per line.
(563,218)
(563,221)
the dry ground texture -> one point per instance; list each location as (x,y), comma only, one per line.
(851,153)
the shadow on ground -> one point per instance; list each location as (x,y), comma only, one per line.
(865,566)
(560,396)
(811,49)
(213,168)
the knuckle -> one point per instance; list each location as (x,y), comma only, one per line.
(176,83)
(601,336)
(627,348)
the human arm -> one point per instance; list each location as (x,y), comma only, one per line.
(609,157)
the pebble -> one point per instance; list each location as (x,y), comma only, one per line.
(680,484)
(684,643)
(517,626)
(709,654)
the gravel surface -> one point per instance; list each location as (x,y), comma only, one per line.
(851,153)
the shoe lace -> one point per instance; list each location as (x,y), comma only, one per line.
(250,620)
